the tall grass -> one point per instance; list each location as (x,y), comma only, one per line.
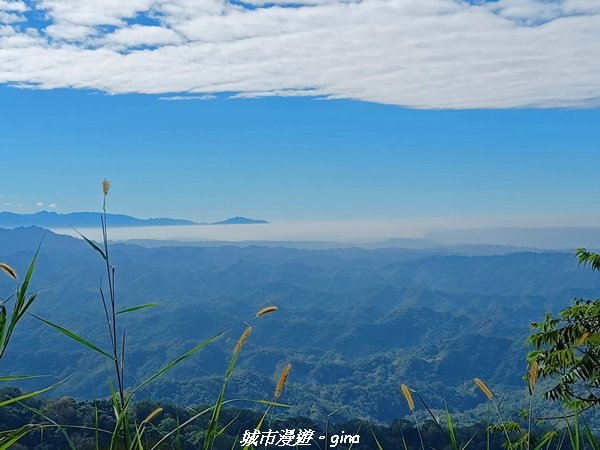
(568,432)
(130,433)
(21,300)
(127,433)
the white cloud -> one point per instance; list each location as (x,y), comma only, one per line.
(8,204)
(421,54)
(178,98)
(11,11)
(52,205)
(140,35)
(16,6)
(39,204)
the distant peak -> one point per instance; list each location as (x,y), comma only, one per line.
(238,220)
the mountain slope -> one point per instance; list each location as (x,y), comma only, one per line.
(354,323)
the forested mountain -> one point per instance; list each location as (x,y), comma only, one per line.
(354,323)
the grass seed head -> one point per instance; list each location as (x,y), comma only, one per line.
(408,396)
(153,414)
(105,186)
(8,270)
(533,374)
(486,390)
(242,339)
(267,310)
(282,379)
(583,338)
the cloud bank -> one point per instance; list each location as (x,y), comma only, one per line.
(431,54)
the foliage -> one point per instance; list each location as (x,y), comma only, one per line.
(566,348)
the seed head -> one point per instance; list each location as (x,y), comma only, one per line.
(8,270)
(533,374)
(267,310)
(408,396)
(486,390)
(242,339)
(583,338)
(105,186)
(153,414)
(282,379)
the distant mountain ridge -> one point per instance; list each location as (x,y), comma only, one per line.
(237,220)
(50,219)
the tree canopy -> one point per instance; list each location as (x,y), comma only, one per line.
(566,348)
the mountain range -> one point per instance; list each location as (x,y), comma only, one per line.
(354,323)
(50,219)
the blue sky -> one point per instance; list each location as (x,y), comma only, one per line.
(294,158)
(313,110)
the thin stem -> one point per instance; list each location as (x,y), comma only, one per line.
(418,430)
(118,359)
(529,420)
(510,445)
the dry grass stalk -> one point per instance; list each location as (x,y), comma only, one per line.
(486,390)
(105,186)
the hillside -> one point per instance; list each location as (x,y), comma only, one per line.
(354,323)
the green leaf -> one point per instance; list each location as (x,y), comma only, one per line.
(137,308)
(74,337)
(23,289)
(453,442)
(31,394)
(172,364)
(25,305)
(546,439)
(45,417)
(20,377)
(93,245)
(269,403)
(7,441)
(590,437)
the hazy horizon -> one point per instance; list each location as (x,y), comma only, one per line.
(520,232)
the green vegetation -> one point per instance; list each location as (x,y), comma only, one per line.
(567,348)
(126,431)
(354,324)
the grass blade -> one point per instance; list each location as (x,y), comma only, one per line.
(45,417)
(379,447)
(451,433)
(6,442)
(74,337)
(93,245)
(590,437)
(20,377)
(31,394)
(172,364)
(137,308)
